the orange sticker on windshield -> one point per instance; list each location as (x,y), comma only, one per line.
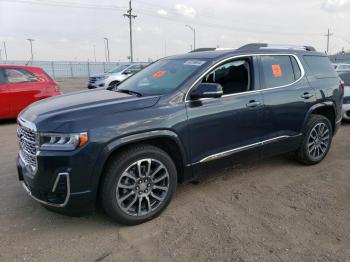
(277,70)
(159,74)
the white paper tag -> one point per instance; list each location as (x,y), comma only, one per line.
(194,62)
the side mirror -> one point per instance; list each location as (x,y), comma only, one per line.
(207,90)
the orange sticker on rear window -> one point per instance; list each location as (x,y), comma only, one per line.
(277,70)
(159,74)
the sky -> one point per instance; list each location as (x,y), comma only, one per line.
(70,30)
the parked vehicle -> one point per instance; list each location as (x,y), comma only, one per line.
(114,77)
(345,76)
(130,147)
(22,85)
(341,67)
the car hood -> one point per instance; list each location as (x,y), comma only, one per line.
(50,114)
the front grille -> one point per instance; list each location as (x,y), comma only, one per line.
(346,100)
(27,145)
(92,80)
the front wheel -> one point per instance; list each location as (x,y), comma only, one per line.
(316,141)
(138,184)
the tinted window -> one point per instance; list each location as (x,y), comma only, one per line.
(118,69)
(163,76)
(320,66)
(279,70)
(346,78)
(2,77)
(234,76)
(19,76)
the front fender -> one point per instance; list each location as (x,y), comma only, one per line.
(134,138)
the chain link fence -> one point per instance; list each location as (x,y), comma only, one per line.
(69,69)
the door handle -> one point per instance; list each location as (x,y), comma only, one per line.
(306,95)
(253,103)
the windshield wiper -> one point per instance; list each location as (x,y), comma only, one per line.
(130,92)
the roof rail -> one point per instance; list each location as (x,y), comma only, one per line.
(203,49)
(271,46)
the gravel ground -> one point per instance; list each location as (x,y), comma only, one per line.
(271,210)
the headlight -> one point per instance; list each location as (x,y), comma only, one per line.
(102,77)
(62,142)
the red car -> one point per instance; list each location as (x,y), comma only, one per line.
(22,85)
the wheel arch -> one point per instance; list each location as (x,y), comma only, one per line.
(167,140)
(326,109)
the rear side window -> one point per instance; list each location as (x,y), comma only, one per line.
(346,78)
(19,76)
(320,66)
(2,77)
(280,70)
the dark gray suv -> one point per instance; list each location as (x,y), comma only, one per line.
(129,147)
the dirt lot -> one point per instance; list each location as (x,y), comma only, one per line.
(272,210)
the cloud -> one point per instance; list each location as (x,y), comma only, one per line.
(162,12)
(335,5)
(185,10)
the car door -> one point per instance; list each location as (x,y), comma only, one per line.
(228,125)
(24,88)
(4,96)
(287,99)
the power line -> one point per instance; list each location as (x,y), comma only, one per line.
(67,4)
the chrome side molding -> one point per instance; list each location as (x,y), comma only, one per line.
(243,148)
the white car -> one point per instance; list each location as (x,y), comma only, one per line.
(114,76)
(345,76)
(341,67)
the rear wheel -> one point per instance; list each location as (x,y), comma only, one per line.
(316,141)
(138,185)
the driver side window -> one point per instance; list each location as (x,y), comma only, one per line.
(234,76)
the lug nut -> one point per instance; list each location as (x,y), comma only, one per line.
(140,181)
(148,185)
(140,192)
(137,188)
(146,191)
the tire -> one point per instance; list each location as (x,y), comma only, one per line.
(316,141)
(157,173)
(112,85)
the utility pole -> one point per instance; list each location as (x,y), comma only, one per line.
(31,49)
(130,15)
(194,35)
(95,52)
(107,46)
(328,35)
(5,51)
(0,55)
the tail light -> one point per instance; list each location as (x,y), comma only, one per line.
(57,90)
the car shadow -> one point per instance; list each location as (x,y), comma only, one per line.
(7,121)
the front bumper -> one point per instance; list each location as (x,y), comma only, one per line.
(56,187)
(346,111)
(96,84)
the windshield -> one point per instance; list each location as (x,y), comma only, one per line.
(162,77)
(118,69)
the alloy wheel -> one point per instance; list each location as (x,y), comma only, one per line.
(142,187)
(318,141)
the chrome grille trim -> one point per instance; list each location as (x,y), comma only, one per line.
(28,145)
